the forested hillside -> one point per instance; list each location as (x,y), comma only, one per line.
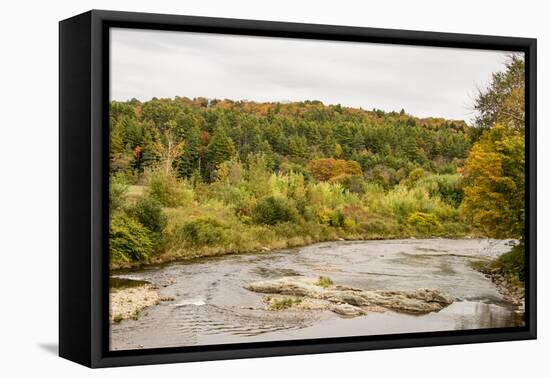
(196,177)
(387,146)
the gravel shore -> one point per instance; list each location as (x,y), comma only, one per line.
(127,303)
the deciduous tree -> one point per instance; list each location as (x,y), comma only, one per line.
(494,183)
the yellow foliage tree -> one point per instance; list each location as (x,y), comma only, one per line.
(494,183)
(325,169)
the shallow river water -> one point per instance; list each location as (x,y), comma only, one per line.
(211,306)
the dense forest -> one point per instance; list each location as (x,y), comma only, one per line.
(198,177)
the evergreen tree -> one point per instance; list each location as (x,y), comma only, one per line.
(220,149)
(298,147)
(189,161)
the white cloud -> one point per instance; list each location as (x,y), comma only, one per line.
(425,81)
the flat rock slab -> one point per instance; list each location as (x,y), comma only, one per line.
(348,301)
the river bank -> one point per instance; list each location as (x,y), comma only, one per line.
(128,302)
(510,287)
(171,256)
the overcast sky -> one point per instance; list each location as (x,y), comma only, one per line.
(425,81)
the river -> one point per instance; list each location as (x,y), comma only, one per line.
(211,306)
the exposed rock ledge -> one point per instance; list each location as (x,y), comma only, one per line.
(348,301)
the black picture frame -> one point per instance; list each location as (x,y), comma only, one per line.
(83,181)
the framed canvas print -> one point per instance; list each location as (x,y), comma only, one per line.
(235,188)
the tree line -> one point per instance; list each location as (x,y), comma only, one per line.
(193,136)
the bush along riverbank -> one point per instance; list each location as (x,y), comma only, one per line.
(508,274)
(249,209)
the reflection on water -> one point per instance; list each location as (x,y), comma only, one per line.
(212,307)
(123,283)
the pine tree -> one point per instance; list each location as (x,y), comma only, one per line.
(220,149)
(298,147)
(189,161)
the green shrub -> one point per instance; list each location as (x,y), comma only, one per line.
(330,195)
(337,218)
(291,186)
(353,183)
(129,240)
(276,304)
(203,232)
(380,226)
(447,187)
(272,210)
(513,262)
(238,198)
(424,222)
(402,202)
(324,282)
(168,190)
(510,264)
(307,212)
(414,176)
(148,211)
(118,190)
